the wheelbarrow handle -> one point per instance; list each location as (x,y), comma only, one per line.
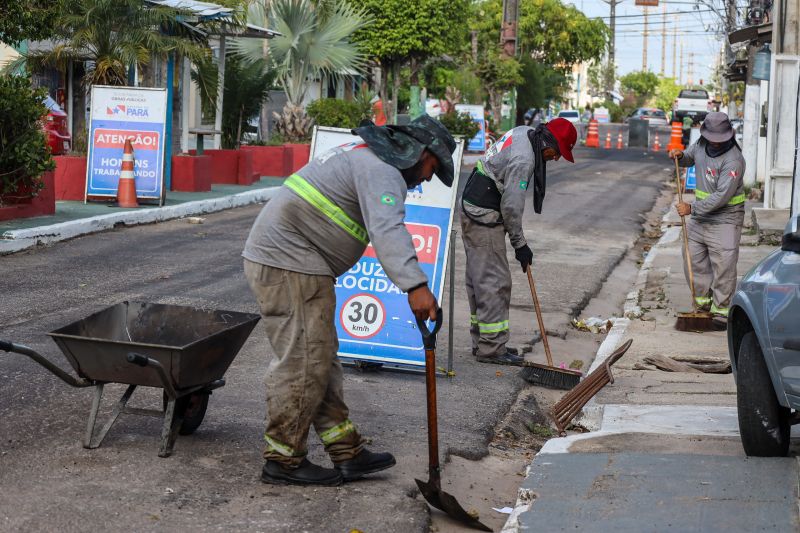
(428,336)
(9,346)
(143,360)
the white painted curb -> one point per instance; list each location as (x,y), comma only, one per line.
(17,240)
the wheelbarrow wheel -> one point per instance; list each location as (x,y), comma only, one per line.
(192,409)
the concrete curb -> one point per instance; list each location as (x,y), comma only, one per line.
(593,413)
(18,240)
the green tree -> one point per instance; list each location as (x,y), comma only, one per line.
(666,93)
(112,35)
(410,32)
(499,75)
(599,76)
(247,86)
(559,34)
(641,84)
(315,41)
(541,84)
(26,19)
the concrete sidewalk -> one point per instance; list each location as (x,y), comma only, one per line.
(73,219)
(663,451)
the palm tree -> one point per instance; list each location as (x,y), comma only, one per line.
(112,35)
(314,42)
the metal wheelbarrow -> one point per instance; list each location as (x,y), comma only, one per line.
(184,350)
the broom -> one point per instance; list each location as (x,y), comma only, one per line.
(546,375)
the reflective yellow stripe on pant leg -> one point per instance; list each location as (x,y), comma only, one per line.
(329,436)
(494,327)
(280,447)
(723,311)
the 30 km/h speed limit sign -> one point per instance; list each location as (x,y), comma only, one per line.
(362,316)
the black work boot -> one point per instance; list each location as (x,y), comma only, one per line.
(366,462)
(307,473)
(507,358)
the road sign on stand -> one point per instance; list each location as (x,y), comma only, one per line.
(117,114)
(373,320)
(477,143)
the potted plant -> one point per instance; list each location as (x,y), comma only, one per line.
(25,159)
(460,124)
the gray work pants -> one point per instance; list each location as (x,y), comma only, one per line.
(304,379)
(488,286)
(714,249)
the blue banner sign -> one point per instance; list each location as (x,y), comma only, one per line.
(118,114)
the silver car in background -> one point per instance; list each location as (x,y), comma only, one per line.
(764,347)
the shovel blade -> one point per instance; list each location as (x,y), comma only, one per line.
(696,321)
(448,504)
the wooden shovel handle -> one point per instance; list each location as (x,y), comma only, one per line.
(539,317)
(685,236)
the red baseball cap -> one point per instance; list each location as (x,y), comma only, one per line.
(566,135)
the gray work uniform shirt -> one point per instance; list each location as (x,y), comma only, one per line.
(292,234)
(722,178)
(510,164)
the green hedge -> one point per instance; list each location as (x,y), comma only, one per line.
(24,154)
(335,113)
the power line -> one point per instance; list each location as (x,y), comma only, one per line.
(667,13)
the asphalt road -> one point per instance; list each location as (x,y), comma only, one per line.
(49,482)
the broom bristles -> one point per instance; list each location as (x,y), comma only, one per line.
(550,377)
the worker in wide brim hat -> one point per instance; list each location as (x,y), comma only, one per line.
(315,228)
(492,206)
(717,214)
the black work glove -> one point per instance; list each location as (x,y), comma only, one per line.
(525,256)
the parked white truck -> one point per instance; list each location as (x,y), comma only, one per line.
(693,103)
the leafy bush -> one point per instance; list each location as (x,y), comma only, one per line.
(335,113)
(24,154)
(460,124)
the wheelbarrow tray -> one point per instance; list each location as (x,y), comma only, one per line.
(194,345)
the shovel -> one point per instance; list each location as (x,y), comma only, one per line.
(432,489)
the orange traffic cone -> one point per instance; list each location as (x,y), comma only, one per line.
(592,135)
(608,141)
(676,140)
(656,145)
(620,146)
(126,189)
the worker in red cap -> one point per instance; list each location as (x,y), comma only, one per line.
(492,205)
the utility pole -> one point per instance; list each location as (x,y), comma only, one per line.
(674,50)
(663,38)
(690,80)
(680,76)
(609,81)
(644,43)
(508,42)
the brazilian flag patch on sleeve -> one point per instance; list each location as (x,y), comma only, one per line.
(388,199)
(523,185)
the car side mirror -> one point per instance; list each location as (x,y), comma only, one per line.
(791,236)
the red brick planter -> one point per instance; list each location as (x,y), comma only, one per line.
(246,173)
(224,166)
(43,204)
(295,157)
(70,177)
(191,173)
(267,160)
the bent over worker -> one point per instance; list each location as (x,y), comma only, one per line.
(492,205)
(715,226)
(313,230)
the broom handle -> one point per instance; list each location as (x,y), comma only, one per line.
(685,236)
(542,331)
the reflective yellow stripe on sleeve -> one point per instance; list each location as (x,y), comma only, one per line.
(310,194)
(736,200)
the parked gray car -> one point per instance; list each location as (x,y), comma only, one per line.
(764,347)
